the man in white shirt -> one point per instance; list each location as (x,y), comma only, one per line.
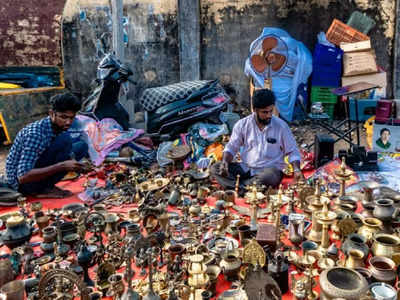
(263,141)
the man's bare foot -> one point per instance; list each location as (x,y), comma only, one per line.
(54,192)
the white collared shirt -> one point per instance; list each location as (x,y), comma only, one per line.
(255,150)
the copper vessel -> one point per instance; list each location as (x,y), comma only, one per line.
(383,269)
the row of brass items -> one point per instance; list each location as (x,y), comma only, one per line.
(196,249)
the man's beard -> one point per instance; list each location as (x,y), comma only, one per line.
(263,121)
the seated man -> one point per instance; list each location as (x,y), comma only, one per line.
(263,140)
(43,152)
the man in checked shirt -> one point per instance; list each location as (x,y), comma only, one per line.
(42,151)
(263,141)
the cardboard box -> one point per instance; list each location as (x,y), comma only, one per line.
(357,46)
(359,63)
(376,78)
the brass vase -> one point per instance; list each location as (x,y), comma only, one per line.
(198,277)
(296,232)
(42,222)
(355,259)
(111,223)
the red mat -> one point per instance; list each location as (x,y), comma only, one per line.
(77,186)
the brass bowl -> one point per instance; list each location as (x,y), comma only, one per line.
(385,245)
(339,282)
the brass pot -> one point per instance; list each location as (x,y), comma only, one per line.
(383,269)
(339,282)
(385,245)
(384,210)
(230,265)
(355,241)
(49,234)
(370,227)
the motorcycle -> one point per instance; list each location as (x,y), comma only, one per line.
(103,102)
(170,109)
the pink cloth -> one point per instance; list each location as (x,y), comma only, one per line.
(104,136)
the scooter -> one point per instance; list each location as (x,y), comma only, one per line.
(103,101)
(170,109)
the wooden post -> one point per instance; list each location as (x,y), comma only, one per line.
(189,39)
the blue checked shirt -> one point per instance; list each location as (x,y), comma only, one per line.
(29,144)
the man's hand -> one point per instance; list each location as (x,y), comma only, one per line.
(224,168)
(74,166)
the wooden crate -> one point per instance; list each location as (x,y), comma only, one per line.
(339,33)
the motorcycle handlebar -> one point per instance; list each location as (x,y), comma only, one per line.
(132,81)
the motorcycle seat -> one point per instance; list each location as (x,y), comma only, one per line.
(153,98)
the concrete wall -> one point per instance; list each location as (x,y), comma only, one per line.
(152,49)
(30,35)
(30,32)
(227,29)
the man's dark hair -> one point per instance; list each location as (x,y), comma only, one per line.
(263,98)
(65,102)
(385,129)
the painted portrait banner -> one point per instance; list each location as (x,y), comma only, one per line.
(386,138)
